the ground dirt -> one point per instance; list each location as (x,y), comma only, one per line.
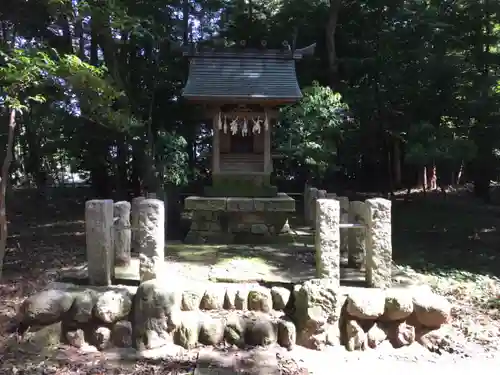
(449,243)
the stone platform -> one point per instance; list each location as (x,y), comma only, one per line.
(229,220)
(273,264)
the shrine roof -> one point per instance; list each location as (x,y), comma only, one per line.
(265,75)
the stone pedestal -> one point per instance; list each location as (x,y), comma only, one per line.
(379,243)
(358,214)
(134,221)
(151,235)
(327,240)
(99,241)
(122,233)
(225,220)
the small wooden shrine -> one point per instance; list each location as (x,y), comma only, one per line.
(241,91)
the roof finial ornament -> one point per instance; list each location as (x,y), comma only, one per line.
(286,45)
(243,42)
(263,43)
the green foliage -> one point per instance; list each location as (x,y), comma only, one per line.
(428,145)
(310,130)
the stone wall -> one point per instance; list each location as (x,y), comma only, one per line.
(356,233)
(314,314)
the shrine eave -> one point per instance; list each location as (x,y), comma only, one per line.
(216,78)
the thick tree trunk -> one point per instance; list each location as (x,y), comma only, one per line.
(3,188)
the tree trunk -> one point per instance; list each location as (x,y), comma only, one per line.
(331,28)
(3,188)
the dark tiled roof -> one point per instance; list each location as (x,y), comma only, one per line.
(268,75)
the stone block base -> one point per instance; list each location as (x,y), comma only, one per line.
(223,220)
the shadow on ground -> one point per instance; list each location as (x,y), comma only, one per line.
(440,236)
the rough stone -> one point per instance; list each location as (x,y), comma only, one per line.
(122,236)
(134,221)
(241,297)
(280,297)
(191,299)
(358,213)
(401,334)
(151,232)
(113,305)
(260,330)
(375,335)
(355,336)
(121,334)
(379,243)
(213,298)
(230,297)
(234,331)
(186,335)
(366,304)
(434,339)
(102,338)
(99,241)
(156,304)
(398,304)
(75,338)
(431,310)
(149,267)
(260,299)
(45,307)
(333,334)
(83,305)
(317,303)
(211,330)
(327,238)
(287,333)
(344,232)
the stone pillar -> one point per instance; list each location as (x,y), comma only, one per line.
(307,211)
(344,232)
(134,222)
(122,233)
(151,238)
(99,241)
(379,243)
(313,195)
(331,196)
(358,214)
(327,240)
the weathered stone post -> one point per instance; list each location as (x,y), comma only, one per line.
(307,219)
(344,232)
(379,243)
(322,194)
(99,241)
(122,233)
(312,196)
(151,238)
(134,221)
(358,214)
(327,239)
(331,195)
